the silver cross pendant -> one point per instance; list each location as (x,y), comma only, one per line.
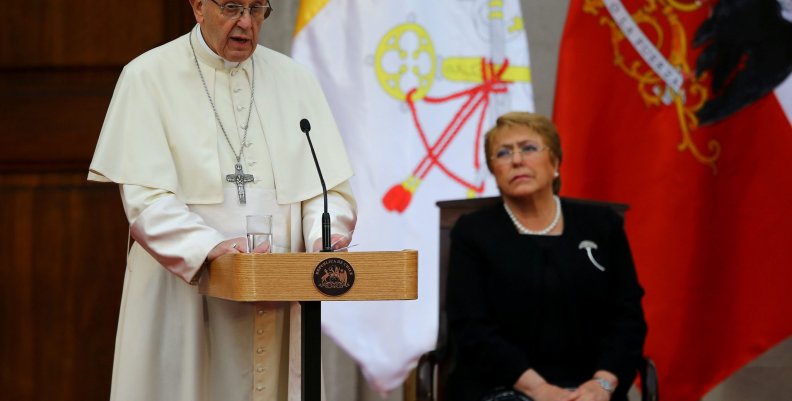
(240,178)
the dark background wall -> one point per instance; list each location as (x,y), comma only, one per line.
(63,240)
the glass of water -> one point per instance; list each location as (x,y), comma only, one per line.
(259,232)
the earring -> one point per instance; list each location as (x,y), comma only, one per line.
(555,174)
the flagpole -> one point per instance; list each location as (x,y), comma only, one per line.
(499,102)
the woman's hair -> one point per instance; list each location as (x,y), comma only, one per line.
(536,122)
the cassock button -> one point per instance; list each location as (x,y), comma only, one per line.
(260,331)
(261,312)
(260,350)
(240,108)
(233,72)
(237,90)
(259,387)
(260,369)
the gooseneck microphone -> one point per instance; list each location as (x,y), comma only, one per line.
(305,127)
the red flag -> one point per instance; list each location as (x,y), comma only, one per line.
(709,220)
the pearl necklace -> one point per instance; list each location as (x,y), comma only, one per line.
(522,230)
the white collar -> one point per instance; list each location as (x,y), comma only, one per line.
(226,63)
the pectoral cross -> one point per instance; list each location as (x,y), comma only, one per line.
(240,178)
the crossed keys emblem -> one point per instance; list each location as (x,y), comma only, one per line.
(489,78)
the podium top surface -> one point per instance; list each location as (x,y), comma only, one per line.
(323,276)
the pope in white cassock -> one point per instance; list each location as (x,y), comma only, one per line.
(185,118)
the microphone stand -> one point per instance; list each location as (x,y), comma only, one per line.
(311,329)
(325,215)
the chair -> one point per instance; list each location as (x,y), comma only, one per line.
(434,366)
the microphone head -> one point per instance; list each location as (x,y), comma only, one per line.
(305,126)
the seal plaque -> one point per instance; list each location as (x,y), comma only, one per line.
(334,277)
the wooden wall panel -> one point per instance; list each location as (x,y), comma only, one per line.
(51,118)
(55,89)
(63,239)
(45,33)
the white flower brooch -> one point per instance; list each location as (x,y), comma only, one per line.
(588,246)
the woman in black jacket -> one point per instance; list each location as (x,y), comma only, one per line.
(543,298)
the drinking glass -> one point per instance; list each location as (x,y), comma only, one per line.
(259,231)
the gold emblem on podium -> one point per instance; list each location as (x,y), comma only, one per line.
(334,276)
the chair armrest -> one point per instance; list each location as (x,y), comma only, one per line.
(650,390)
(425,377)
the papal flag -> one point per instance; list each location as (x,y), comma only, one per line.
(413,85)
(682,110)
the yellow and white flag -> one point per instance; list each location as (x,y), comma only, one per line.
(413,85)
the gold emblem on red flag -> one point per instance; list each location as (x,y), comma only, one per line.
(654,31)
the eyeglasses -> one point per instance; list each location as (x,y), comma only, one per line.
(235,11)
(506,154)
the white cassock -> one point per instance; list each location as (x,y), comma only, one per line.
(162,144)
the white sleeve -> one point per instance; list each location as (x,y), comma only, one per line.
(166,228)
(342,208)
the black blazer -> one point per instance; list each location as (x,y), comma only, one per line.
(516,302)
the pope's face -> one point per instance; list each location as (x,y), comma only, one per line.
(233,39)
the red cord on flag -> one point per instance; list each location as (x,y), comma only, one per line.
(397,198)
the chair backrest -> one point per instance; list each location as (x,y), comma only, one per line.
(450,211)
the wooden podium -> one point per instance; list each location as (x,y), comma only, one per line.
(311,278)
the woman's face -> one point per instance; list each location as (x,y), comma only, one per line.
(522,163)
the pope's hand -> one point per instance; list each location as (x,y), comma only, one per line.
(337,241)
(263,248)
(233,245)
